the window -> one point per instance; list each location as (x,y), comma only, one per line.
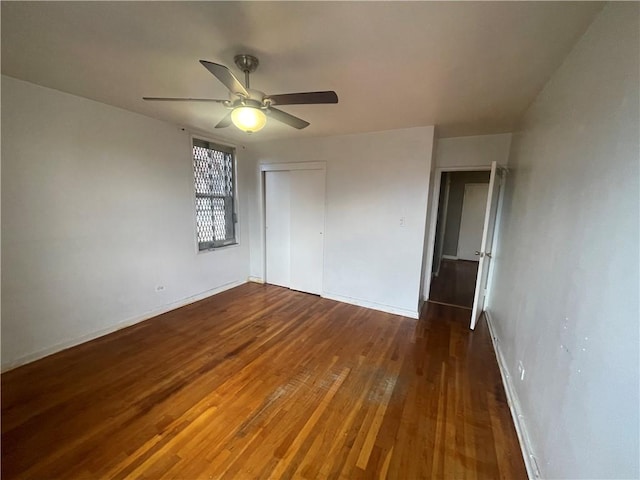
(214,175)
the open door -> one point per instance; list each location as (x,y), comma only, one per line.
(485,247)
(472,220)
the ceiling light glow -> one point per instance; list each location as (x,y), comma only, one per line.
(248,119)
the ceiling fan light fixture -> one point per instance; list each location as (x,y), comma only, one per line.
(248,119)
(250,107)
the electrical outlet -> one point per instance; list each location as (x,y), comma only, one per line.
(159,288)
(521,370)
(402,221)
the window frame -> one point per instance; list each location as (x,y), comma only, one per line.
(227,148)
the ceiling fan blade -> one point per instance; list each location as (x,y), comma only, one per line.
(180,99)
(287,118)
(304,98)
(223,74)
(225,122)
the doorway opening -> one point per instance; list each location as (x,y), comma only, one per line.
(460,220)
(458,256)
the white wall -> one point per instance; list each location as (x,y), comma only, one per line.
(565,296)
(97,210)
(473,151)
(373,180)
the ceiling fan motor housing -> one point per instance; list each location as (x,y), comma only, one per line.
(256,99)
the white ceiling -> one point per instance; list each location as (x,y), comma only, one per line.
(468,67)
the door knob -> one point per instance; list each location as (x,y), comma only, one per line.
(480,254)
(477,252)
(488,254)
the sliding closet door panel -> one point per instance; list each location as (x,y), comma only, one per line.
(307,229)
(278,227)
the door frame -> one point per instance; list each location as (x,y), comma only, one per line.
(438,237)
(435,200)
(274,167)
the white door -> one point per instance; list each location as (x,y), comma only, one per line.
(278,227)
(491,209)
(294,222)
(474,204)
(307,230)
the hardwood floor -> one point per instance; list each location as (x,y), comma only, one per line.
(264,382)
(455,283)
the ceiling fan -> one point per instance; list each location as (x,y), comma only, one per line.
(250,108)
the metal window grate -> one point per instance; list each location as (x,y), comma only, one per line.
(213,168)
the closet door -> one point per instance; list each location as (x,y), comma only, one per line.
(278,227)
(307,193)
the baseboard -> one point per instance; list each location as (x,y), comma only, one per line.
(374,306)
(514,406)
(255,280)
(449,257)
(32,357)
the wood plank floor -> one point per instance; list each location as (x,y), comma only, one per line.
(455,283)
(264,382)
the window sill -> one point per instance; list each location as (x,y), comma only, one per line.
(217,249)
